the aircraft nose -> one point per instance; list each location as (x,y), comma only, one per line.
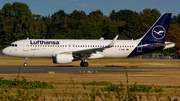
(5,51)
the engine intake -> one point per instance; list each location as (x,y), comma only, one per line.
(63,58)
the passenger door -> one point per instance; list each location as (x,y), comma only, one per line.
(25,46)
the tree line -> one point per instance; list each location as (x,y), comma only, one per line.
(17,22)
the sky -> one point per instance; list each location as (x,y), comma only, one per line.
(49,7)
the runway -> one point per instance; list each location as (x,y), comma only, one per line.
(71,69)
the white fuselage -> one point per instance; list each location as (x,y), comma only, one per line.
(47,48)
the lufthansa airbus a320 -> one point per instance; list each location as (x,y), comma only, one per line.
(67,51)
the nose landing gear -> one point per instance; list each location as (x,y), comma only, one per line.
(25,63)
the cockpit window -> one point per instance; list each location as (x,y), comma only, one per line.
(10,45)
(13,45)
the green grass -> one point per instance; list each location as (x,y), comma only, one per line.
(24,84)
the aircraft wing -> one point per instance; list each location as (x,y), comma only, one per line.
(94,50)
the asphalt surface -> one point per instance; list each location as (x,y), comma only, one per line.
(71,69)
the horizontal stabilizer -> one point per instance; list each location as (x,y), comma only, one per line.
(161,45)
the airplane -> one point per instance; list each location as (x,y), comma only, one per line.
(65,51)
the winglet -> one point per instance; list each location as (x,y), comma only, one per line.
(113,41)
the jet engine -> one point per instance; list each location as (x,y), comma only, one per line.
(63,58)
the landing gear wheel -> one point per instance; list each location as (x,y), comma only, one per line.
(25,64)
(84,64)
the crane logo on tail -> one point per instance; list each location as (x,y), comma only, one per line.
(158,32)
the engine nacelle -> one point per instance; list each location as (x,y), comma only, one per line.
(63,58)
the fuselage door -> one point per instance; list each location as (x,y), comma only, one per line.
(139,47)
(25,46)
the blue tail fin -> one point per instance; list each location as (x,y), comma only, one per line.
(157,33)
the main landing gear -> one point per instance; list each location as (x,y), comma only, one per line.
(25,63)
(84,64)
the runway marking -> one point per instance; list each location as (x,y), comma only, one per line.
(50,71)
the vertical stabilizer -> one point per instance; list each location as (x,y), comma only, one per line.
(157,33)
